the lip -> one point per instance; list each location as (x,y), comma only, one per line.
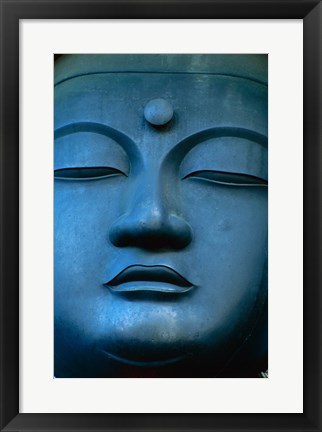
(159,278)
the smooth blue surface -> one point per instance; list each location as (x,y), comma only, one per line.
(160,233)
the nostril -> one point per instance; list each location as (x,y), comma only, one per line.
(181,232)
(172,233)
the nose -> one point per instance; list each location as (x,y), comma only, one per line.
(150,223)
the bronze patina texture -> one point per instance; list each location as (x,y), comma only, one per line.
(161,221)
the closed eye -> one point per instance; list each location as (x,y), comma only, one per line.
(227,178)
(88,173)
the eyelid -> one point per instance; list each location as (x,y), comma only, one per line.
(227,178)
(230,152)
(86,173)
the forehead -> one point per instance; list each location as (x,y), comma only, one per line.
(200,102)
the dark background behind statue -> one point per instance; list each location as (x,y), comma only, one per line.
(161,179)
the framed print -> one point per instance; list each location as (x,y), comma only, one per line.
(135,285)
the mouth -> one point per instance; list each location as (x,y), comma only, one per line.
(157,278)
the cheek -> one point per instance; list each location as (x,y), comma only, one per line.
(226,220)
(83,215)
(230,242)
(82,252)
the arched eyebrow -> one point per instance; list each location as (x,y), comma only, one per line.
(220,132)
(119,137)
(183,147)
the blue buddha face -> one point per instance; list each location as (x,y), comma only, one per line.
(160,230)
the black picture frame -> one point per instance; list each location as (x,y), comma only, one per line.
(14,10)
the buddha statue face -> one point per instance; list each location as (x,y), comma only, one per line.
(160,218)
